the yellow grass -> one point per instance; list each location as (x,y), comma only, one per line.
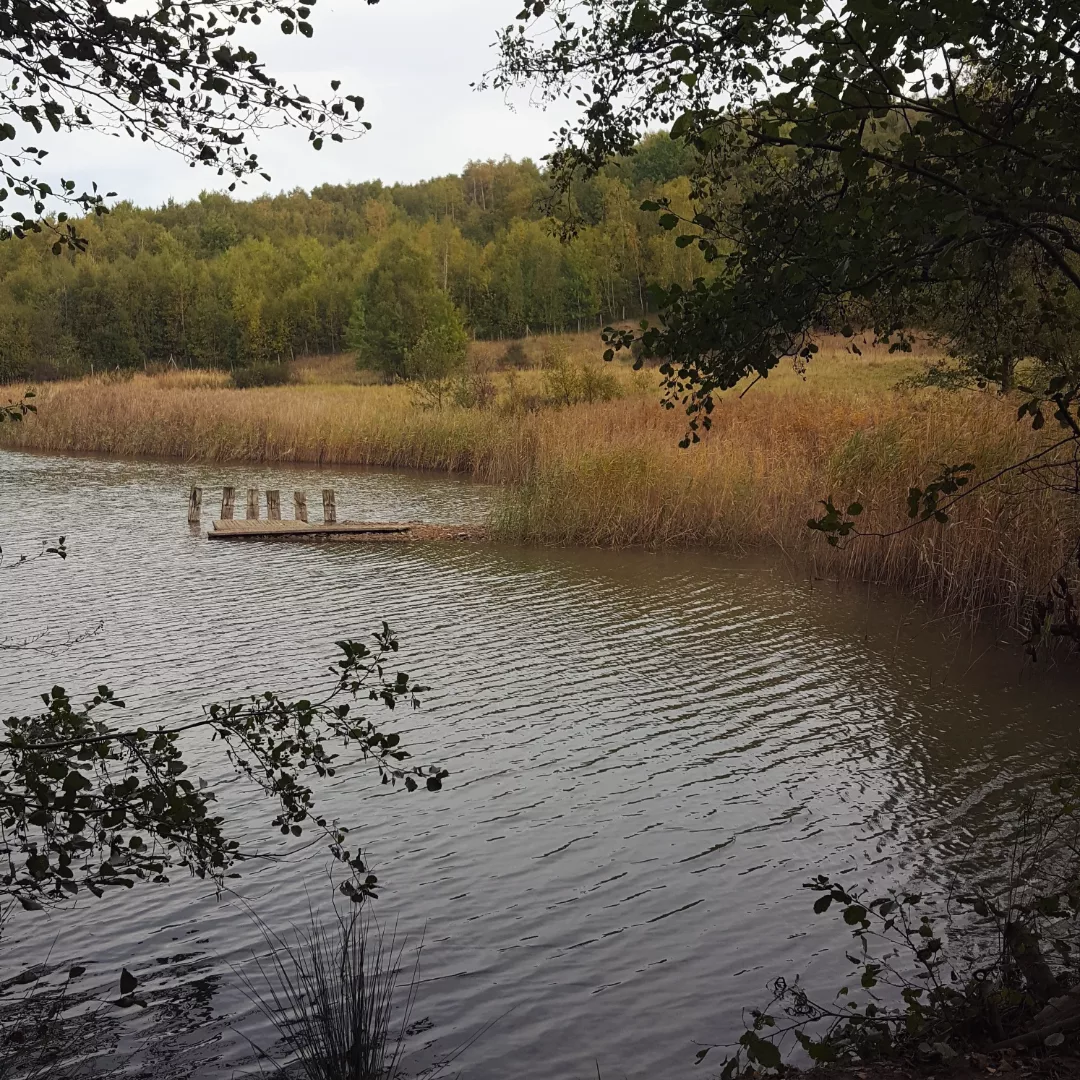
(611,473)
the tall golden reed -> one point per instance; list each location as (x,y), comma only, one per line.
(612,474)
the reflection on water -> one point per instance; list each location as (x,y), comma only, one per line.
(649,754)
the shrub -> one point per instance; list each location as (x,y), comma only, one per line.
(250,375)
(515,356)
(566,383)
(597,384)
(474,390)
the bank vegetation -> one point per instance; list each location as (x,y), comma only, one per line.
(584,454)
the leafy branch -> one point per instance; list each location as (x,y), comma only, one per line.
(172,74)
(15,411)
(48,547)
(87,804)
(990,968)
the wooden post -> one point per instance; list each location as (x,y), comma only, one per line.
(194,506)
(273,506)
(300,502)
(228,498)
(329,507)
(253,504)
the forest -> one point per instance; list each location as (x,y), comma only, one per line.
(224,282)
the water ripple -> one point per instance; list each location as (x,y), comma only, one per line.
(649,755)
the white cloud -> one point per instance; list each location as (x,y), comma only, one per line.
(412,61)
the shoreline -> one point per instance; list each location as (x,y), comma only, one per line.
(610,474)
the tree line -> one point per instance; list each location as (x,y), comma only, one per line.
(231,283)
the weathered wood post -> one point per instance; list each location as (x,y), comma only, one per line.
(273,506)
(228,498)
(300,502)
(253,504)
(194,506)
(329,506)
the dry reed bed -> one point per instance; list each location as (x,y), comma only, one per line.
(612,473)
(619,479)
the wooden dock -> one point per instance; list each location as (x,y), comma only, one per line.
(273,527)
(248,529)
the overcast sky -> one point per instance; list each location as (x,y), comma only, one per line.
(411,60)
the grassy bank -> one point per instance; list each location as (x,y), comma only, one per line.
(610,472)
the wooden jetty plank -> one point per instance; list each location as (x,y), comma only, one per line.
(329,506)
(273,505)
(300,502)
(253,504)
(194,508)
(228,499)
(251,529)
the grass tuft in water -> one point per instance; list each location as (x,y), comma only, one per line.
(331,991)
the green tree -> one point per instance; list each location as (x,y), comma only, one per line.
(400,302)
(440,349)
(223,282)
(851,159)
(658,159)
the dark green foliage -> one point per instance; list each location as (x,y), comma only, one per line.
(885,165)
(404,325)
(87,802)
(261,375)
(658,159)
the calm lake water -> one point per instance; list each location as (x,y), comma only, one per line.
(649,755)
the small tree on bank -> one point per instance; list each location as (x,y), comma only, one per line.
(440,349)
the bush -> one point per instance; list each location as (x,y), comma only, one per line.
(597,384)
(566,383)
(515,356)
(251,375)
(474,390)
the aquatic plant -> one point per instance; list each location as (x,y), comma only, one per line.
(330,990)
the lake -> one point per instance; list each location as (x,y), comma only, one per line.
(649,755)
